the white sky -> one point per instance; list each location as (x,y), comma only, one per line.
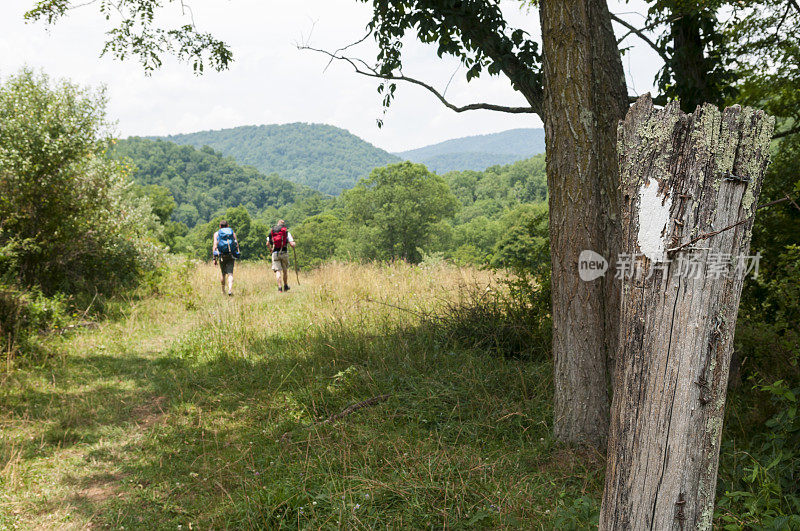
(271,81)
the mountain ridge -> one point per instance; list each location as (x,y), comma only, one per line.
(330,159)
(478,152)
(324,157)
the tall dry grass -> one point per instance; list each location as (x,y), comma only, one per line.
(199,409)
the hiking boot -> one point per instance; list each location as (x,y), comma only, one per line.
(230,294)
(286,287)
(280,289)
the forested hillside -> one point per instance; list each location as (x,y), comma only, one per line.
(493,217)
(484,217)
(203,181)
(447,162)
(480,151)
(323,157)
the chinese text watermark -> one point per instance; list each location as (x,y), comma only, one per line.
(694,265)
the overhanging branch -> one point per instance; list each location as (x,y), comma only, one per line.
(639,33)
(657,100)
(362,68)
(787,132)
(647,27)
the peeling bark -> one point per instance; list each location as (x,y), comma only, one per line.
(676,333)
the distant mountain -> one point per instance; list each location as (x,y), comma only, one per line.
(203,182)
(479,152)
(323,157)
(462,161)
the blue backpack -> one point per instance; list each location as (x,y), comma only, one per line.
(226,244)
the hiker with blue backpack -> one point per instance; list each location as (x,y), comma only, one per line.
(279,242)
(226,250)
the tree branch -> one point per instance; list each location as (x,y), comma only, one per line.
(87,3)
(516,71)
(642,36)
(361,67)
(788,132)
(657,100)
(648,27)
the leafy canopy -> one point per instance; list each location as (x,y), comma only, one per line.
(397,207)
(474,31)
(137,33)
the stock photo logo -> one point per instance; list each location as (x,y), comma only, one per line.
(591,265)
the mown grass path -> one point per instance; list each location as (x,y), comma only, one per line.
(198,411)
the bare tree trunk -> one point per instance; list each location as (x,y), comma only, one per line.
(690,183)
(584,98)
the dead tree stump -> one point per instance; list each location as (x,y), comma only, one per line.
(690,186)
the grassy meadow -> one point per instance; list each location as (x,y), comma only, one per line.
(192,410)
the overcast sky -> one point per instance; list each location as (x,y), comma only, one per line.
(271,81)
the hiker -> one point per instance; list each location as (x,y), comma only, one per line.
(279,241)
(226,249)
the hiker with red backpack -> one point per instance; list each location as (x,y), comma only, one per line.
(226,250)
(279,242)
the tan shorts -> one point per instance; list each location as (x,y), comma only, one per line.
(280,261)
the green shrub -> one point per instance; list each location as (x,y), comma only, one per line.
(513,322)
(23,315)
(767,332)
(760,482)
(581,513)
(318,238)
(70,221)
(516,319)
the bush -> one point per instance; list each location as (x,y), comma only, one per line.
(760,483)
(70,221)
(23,315)
(73,229)
(767,333)
(515,320)
(320,236)
(759,487)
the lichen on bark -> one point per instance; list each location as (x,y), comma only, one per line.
(673,357)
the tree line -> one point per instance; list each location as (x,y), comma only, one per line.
(400,211)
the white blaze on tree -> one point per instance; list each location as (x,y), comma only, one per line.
(653,217)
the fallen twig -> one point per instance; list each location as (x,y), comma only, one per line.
(75,326)
(349,410)
(390,305)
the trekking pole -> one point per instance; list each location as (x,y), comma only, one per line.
(296,269)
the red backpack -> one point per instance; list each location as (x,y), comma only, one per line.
(280,238)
